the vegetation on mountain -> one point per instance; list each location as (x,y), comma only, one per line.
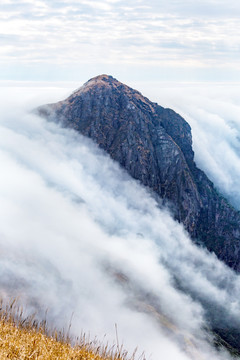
(25,338)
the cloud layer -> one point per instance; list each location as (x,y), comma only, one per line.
(79,236)
(181,34)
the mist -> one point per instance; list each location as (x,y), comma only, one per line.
(81,239)
(213,112)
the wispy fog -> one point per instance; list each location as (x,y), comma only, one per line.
(78,236)
(213,111)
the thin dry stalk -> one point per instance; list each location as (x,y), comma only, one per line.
(26,338)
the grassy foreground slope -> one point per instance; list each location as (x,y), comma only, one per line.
(24,338)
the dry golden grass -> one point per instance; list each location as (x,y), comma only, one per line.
(25,338)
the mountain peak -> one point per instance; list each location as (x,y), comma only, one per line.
(100,81)
(108,85)
(103,77)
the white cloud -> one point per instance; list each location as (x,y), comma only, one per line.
(113,32)
(70,218)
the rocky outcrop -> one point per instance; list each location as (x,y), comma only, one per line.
(154,145)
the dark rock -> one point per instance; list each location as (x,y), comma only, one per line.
(155,146)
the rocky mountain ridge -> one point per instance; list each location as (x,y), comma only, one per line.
(154,145)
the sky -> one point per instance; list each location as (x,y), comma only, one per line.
(74,40)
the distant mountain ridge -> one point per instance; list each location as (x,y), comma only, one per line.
(154,145)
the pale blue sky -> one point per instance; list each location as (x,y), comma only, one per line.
(188,40)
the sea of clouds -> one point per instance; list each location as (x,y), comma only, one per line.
(82,240)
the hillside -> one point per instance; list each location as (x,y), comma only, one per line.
(154,145)
(26,338)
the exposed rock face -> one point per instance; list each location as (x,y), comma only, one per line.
(155,146)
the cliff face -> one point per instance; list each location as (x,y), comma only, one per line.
(155,146)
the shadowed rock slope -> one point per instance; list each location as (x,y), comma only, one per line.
(154,145)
